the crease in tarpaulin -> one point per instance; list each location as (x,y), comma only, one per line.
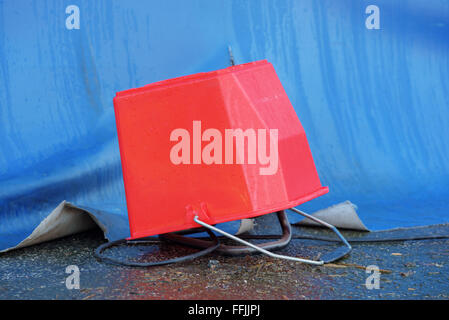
(67,219)
(64,220)
(341,215)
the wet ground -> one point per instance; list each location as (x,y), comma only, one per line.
(408,270)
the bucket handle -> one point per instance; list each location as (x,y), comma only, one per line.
(332,256)
(234,250)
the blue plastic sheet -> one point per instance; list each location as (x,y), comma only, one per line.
(373,102)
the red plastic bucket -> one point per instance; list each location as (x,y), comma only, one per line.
(223,145)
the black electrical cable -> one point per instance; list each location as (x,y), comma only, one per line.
(380,239)
(98,253)
(328,239)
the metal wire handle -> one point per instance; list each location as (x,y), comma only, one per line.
(337,253)
(268,253)
(333,256)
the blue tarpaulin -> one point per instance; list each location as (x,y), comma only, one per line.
(373,102)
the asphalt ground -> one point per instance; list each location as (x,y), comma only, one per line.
(413,269)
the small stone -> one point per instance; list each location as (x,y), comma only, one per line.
(213,264)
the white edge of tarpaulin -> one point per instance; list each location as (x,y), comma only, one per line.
(67,219)
(342,215)
(63,221)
